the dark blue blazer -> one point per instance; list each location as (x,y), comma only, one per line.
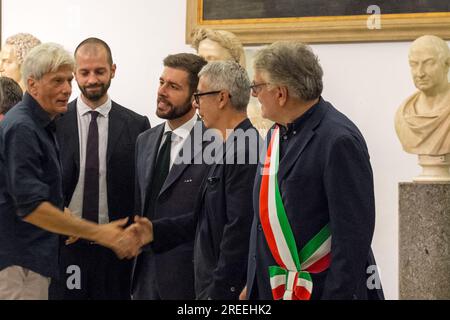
(221,221)
(324,177)
(124,126)
(169,273)
(123,130)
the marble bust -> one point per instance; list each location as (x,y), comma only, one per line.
(422,122)
(215,45)
(13,54)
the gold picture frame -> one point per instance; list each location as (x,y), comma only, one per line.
(323,29)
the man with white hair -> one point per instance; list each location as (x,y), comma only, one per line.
(31,196)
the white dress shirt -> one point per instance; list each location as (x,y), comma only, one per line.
(179,136)
(84,118)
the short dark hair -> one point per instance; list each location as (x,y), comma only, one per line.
(97,41)
(10,94)
(191,63)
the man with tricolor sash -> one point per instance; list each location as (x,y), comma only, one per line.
(313,195)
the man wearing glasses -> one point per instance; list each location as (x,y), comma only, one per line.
(223,213)
(314,198)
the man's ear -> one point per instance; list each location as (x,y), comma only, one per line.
(282,95)
(113,70)
(32,86)
(224,99)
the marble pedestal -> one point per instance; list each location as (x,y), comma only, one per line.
(424,240)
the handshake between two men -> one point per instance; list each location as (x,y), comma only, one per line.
(126,242)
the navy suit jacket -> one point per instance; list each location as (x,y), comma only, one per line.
(124,126)
(123,130)
(221,222)
(324,177)
(171,272)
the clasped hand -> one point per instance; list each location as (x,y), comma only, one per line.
(127,242)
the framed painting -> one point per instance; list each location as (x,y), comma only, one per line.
(321,21)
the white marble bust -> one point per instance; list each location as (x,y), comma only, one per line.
(215,45)
(423,121)
(13,54)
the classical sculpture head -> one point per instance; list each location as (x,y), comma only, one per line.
(215,45)
(429,59)
(423,121)
(13,54)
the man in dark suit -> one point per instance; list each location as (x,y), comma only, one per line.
(223,212)
(97,138)
(313,199)
(169,173)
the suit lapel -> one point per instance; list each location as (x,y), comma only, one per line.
(71,141)
(222,152)
(196,146)
(115,128)
(300,141)
(149,158)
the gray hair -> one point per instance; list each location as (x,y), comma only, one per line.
(45,58)
(294,65)
(229,75)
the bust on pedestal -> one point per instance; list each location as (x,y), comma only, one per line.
(423,121)
(423,126)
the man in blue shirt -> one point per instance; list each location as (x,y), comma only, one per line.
(31,198)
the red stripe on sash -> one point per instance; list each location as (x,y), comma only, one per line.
(320,265)
(264,206)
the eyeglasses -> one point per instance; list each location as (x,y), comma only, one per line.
(197,95)
(256,87)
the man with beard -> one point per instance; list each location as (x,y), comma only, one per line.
(222,216)
(97,138)
(169,175)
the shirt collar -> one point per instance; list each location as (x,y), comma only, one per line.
(184,130)
(40,115)
(103,110)
(300,122)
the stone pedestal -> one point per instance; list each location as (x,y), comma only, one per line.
(435,169)
(424,240)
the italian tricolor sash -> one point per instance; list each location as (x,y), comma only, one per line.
(290,279)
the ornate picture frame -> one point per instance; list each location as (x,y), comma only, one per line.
(401,22)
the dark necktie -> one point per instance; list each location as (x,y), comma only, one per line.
(160,173)
(91,175)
